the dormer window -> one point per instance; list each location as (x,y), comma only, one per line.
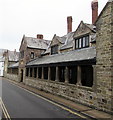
(82,42)
(54,49)
(32,55)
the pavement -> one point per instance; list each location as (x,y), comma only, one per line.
(82,109)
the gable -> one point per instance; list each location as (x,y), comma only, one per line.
(23,44)
(107,8)
(55,41)
(82,30)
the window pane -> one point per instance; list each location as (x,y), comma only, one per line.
(80,43)
(87,41)
(32,55)
(76,43)
(83,41)
(54,49)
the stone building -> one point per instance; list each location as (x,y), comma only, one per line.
(11,57)
(2,60)
(77,66)
(30,49)
(104,64)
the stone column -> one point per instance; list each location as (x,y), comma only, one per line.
(11,71)
(66,75)
(37,73)
(79,75)
(32,72)
(24,75)
(28,72)
(57,74)
(42,72)
(49,73)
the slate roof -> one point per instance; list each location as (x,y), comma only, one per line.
(110,0)
(13,56)
(62,39)
(91,26)
(15,65)
(2,58)
(36,43)
(48,50)
(75,55)
(68,41)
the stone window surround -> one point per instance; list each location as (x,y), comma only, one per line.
(80,44)
(54,47)
(32,55)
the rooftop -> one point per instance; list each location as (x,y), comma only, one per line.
(2,58)
(36,43)
(71,56)
(13,55)
(15,65)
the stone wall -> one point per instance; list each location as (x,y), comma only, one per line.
(12,77)
(66,50)
(104,66)
(37,53)
(72,92)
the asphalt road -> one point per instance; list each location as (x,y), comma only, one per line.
(22,104)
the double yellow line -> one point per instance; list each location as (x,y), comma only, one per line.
(4,110)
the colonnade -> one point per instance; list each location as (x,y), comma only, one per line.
(79,75)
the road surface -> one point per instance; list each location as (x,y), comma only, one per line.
(20,103)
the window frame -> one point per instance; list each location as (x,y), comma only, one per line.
(54,49)
(32,55)
(83,42)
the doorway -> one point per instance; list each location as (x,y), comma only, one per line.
(21,76)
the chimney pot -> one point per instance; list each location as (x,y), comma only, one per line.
(39,36)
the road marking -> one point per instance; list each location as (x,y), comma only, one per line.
(82,116)
(3,109)
(5,112)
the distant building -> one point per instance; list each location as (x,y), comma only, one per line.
(2,60)
(30,48)
(11,57)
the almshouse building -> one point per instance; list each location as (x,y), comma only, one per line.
(76,66)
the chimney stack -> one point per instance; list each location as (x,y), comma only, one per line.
(69,24)
(14,51)
(94,6)
(39,36)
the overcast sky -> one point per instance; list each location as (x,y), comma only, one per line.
(47,17)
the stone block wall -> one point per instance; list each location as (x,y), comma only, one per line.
(12,77)
(104,66)
(72,92)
